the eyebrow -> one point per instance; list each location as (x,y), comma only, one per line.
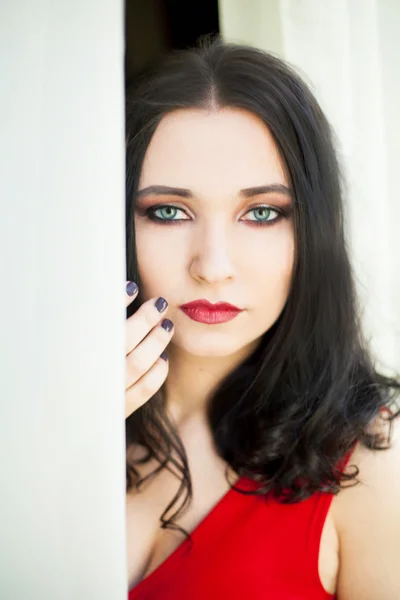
(164,190)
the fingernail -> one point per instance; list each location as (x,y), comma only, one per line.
(167,325)
(164,356)
(131,288)
(161,304)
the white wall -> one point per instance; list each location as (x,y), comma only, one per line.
(347,51)
(62,500)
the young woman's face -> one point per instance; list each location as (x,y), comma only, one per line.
(208,227)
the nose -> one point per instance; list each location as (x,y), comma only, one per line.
(210,258)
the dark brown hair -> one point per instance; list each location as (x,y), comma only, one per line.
(290,412)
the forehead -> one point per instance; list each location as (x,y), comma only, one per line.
(219,151)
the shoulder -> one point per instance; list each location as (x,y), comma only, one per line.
(367,520)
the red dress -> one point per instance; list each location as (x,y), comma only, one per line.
(247,547)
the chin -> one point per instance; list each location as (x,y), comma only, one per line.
(212,345)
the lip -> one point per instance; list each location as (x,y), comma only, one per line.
(204,311)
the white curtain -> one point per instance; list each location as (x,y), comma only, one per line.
(62,498)
(347,50)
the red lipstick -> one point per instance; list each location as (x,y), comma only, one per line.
(205,312)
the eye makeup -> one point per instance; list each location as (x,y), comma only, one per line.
(171,212)
(168,214)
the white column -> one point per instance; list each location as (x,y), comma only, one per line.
(62,272)
(347,51)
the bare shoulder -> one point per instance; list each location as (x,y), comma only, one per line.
(367,519)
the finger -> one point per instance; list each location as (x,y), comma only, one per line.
(143,357)
(143,321)
(146,387)
(131,292)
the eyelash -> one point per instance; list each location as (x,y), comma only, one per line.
(149,213)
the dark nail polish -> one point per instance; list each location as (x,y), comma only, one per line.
(167,325)
(161,304)
(164,356)
(131,288)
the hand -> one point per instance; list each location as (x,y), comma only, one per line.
(147,335)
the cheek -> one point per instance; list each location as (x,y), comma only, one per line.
(271,268)
(157,260)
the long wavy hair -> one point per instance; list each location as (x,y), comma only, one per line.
(286,417)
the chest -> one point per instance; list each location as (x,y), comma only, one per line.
(149,546)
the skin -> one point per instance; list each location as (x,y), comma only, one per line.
(216,253)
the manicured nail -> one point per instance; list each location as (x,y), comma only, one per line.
(131,288)
(167,325)
(161,304)
(164,356)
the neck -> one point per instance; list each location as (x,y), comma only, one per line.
(192,381)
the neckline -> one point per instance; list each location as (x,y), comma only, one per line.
(196,533)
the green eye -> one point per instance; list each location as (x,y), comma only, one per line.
(262,213)
(166,212)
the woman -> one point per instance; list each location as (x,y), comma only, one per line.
(235,240)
